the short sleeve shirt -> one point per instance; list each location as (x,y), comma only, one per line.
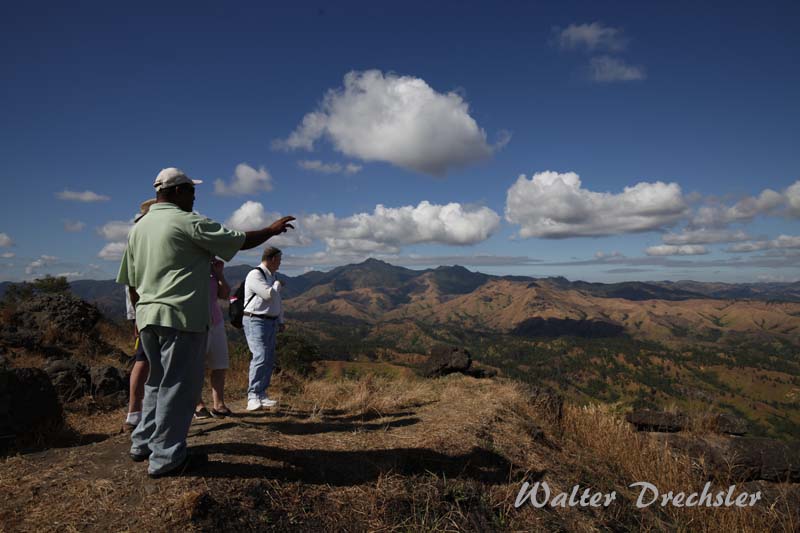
(167,261)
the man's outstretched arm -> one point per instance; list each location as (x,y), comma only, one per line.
(257,237)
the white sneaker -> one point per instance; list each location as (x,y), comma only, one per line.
(267,403)
(254,404)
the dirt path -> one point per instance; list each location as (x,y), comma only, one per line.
(257,459)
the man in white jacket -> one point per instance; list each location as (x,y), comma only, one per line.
(263,319)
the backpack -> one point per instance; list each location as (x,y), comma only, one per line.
(237,303)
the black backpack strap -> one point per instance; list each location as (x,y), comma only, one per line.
(254,292)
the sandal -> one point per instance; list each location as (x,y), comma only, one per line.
(201,414)
(220,413)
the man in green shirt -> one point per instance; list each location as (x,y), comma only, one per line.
(167,262)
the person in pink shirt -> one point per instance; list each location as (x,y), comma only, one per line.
(217,346)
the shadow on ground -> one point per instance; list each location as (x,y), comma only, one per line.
(346,468)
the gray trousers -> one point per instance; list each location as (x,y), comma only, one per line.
(177,361)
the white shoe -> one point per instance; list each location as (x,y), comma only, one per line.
(267,403)
(253,404)
(133,418)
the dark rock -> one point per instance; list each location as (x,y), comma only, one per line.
(741,458)
(730,424)
(548,403)
(46,318)
(70,379)
(3,362)
(480,372)
(754,458)
(446,360)
(28,403)
(107,380)
(647,420)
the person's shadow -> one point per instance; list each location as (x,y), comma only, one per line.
(347,468)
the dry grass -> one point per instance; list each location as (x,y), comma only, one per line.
(371,453)
(616,455)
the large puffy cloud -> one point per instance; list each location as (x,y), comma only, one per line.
(686,249)
(396,119)
(594,36)
(246,180)
(387,229)
(252,216)
(792,196)
(553,205)
(607,69)
(781,243)
(5,240)
(85,196)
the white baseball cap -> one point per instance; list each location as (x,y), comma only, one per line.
(170,177)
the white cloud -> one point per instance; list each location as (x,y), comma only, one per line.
(43,261)
(792,195)
(745,210)
(116,230)
(246,180)
(668,249)
(329,168)
(781,243)
(8,255)
(112,251)
(69,275)
(386,229)
(704,236)
(397,119)
(607,255)
(73,226)
(85,196)
(5,240)
(594,36)
(553,206)
(607,69)
(252,216)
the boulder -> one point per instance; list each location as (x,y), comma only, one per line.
(70,379)
(107,381)
(754,458)
(729,424)
(741,458)
(28,404)
(446,360)
(647,420)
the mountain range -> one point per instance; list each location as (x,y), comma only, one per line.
(368,289)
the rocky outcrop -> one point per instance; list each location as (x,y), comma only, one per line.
(107,381)
(729,424)
(48,319)
(70,379)
(28,404)
(647,420)
(740,458)
(446,360)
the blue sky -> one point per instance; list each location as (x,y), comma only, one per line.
(603,142)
